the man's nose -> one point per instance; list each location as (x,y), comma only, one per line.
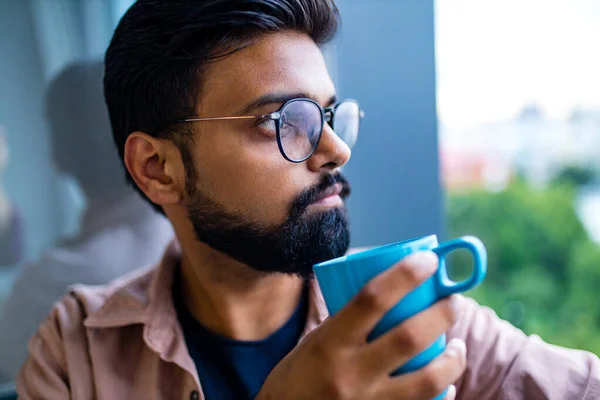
(332,152)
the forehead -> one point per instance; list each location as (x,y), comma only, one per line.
(286,62)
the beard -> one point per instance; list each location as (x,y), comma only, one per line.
(292,247)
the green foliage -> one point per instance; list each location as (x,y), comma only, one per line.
(544,271)
(575,175)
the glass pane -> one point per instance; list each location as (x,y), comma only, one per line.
(66,214)
(519,120)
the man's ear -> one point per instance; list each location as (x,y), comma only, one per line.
(155,166)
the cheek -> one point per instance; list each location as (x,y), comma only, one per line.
(248,177)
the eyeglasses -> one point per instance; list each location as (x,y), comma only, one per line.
(298,125)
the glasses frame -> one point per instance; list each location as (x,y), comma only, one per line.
(327,115)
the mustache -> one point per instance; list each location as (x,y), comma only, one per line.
(309,196)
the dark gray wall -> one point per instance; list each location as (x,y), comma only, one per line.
(384,57)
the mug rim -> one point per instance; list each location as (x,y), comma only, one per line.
(375,251)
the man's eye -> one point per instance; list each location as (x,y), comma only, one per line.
(267,124)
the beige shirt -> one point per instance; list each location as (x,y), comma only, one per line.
(123,341)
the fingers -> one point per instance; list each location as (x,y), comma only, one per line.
(396,347)
(432,379)
(361,314)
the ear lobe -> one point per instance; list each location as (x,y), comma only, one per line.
(145,159)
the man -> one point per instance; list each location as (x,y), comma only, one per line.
(217,112)
(119,231)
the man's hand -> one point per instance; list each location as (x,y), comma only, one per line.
(335,362)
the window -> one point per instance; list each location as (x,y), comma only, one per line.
(519,112)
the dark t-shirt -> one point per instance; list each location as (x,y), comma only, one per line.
(232,369)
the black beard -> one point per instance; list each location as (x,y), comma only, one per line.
(292,247)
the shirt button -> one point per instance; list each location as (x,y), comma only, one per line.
(194,395)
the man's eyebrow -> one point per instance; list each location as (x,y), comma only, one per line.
(279,98)
(332,101)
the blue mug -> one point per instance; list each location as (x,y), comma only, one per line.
(342,278)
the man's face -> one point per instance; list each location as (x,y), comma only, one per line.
(249,202)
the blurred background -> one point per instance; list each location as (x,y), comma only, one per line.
(518,101)
(483,118)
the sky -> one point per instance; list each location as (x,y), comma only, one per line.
(493,57)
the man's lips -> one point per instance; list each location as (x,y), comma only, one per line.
(331,194)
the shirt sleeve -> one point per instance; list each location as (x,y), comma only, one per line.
(44,374)
(36,289)
(503,363)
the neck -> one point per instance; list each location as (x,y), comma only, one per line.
(232,299)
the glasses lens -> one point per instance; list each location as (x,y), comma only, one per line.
(346,122)
(300,129)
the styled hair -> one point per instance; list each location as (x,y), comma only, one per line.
(158,54)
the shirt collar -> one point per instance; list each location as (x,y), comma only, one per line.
(146,298)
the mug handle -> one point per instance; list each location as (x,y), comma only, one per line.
(446,286)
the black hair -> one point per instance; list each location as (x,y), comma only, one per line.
(156,58)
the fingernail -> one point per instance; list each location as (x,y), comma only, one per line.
(456,348)
(451,395)
(457,303)
(425,259)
